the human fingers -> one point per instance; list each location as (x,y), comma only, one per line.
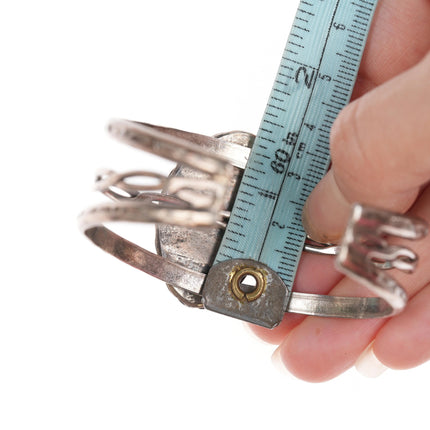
(380,154)
(319,349)
(395,24)
(399,38)
(404,342)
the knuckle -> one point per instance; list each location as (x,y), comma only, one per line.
(349,146)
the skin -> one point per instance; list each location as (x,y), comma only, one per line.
(380,147)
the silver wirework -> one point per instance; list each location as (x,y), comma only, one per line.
(191,207)
(365,251)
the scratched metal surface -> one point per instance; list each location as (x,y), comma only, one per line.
(85,341)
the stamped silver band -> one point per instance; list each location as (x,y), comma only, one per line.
(190,210)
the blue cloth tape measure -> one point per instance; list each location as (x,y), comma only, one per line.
(291,151)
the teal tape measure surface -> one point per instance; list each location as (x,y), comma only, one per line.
(291,151)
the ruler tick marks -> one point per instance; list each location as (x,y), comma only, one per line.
(231,240)
(305,11)
(355,54)
(282,92)
(340,92)
(353,60)
(246,202)
(358,25)
(353,64)
(291,150)
(296,44)
(233,249)
(361,12)
(297,35)
(332,117)
(277,107)
(257,170)
(285,76)
(353,47)
(259,154)
(351,36)
(266,130)
(237,225)
(301,28)
(273,123)
(364,7)
(342,66)
(250,177)
(302,19)
(242,217)
(264,138)
(343,99)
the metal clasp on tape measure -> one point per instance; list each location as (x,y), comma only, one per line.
(191,207)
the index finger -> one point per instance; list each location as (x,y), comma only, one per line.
(380,152)
(399,38)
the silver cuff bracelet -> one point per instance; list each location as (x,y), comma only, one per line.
(190,209)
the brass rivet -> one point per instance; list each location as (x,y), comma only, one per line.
(247,292)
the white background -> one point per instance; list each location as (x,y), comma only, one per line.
(87,342)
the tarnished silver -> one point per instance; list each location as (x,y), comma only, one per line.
(224,294)
(196,248)
(190,208)
(134,202)
(365,252)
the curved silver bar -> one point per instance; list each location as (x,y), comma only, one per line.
(320,248)
(224,145)
(392,256)
(365,239)
(147,212)
(142,259)
(171,147)
(91,224)
(363,254)
(106,180)
(339,307)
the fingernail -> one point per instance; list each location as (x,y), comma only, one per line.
(368,364)
(277,362)
(308,215)
(326,211)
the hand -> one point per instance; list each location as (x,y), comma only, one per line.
(380,148)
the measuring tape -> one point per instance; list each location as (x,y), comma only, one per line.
(253,273)
(291,151)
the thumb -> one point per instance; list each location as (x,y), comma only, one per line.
(380,149)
